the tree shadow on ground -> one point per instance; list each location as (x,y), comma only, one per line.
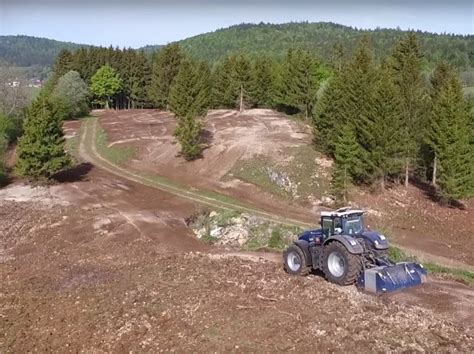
(207,137)
(433,194)
(75,174)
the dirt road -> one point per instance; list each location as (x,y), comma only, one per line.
(103,263)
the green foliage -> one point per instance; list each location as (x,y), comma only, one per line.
(41,148)
(166,65)
(27,51)
(382,127)
(188,133)
(406,63)
(262,82)
(451,137)
(348,163)
(319,38)
(116,154)
(105,83)
(70,95)
(223,94)
(276,241)
(190,92)
(301,81)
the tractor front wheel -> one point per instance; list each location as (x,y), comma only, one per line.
(339,265)
(295,261)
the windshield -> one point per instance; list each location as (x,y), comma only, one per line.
(353,225)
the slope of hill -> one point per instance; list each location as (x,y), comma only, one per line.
(27,51)
(270,39)
(276,39)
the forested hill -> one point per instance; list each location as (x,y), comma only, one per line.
(275,40)
(30,51)
(271,39)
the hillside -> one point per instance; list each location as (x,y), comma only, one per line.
(29,51)
(276,39)
(271,39)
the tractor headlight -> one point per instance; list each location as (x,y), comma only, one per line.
(382,237)
(376,243)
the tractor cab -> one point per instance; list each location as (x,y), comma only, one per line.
(344,221)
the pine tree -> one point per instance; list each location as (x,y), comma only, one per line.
(241,81)
(166,66)
(301,81)
(451,136)
(222,91)
(188,133)
(329,113)
(347,163)
(406,63)
(383,125)
(41,148)
(262,82)
(105,84)
(190,91)
(438,79)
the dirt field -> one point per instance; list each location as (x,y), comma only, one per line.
(100,263)
(105,264)
(413,220)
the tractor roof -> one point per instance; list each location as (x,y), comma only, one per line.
(342,212)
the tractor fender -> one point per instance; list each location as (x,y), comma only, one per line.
(349,242)
(304,245)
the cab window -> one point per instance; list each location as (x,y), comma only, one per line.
(327,225)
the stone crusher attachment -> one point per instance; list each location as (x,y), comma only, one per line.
(347,253)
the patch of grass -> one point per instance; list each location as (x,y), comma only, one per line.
(271,235)
(300,167)
(254,171)
(225,217)
(276,240)
(397,255)
(210,240)
(115,154)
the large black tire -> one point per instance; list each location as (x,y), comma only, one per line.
(339,265)
(294,261)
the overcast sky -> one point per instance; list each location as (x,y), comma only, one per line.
(139,22)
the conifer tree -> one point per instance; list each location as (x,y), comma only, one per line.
(222,87)
(438,79)
(262,85)
(189,100)
(382,127)
(451,136)
(190,91)
(241,81)
(347,163)
(301,81)
(166,66)
(41,151)
(104,84)
(406,63)
(188,133)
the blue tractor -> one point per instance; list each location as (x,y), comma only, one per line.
(347,253)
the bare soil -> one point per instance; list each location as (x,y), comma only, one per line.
(99,263)
(103,264)
(413,219)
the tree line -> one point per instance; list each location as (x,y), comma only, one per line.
(383,121)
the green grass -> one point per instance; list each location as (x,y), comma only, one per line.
(254,171)
(397,255)
(116,154)
(301,169)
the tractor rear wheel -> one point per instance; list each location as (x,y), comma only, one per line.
(339,265)
(294,261)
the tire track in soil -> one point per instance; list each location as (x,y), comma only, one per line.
(88,151)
